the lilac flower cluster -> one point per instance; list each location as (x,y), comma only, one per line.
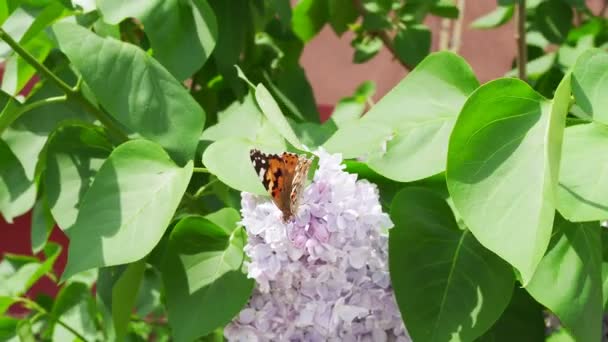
(323,276)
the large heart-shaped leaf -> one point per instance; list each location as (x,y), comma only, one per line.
(411,122)
(205,288)
(503,164)
(182,33)
(568,279)
(583,175)
(590,83)
(144,96)
(74,154)
(448,286)
(128,207)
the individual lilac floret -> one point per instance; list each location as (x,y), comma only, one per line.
(322,276)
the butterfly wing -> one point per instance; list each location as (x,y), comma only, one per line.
(270,168)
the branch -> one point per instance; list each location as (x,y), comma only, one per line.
(386,39)
(457,30)
(72,94)
(520,37)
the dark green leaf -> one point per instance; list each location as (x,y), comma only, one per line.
(130,203)
(42,224)
(366,48)
(342,13)
(214,280)
(447,285)
(17,191)
(124,295)
(445,9)
(308,18)
(412,44)
(522,321)
(8,328)
(553,18)
(144,96)
(194,234)
(74,154)
(583,171)
(182,33)
(568,279)
(503,162)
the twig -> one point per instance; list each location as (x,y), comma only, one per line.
(33,305)
(200,170)
(520,37)
(72,94)
(386,39)
(9,116)
(604,9)
(444,34)
(457,30)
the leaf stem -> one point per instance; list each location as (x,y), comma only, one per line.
(386,39)
(33,305)
(72,94)
(9,116)
(457,29)
(200,170)
(520,37)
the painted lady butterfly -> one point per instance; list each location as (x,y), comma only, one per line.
(283,177)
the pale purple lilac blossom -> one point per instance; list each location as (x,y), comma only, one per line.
(324,275)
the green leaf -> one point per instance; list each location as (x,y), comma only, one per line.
(24,331)
(42,224)
(308,18)
(144,96)
(74,154)
(342,13)
(274,115)
(447,285)
(196,233)
(149,296)
(213,279)
(366,48)
(228,159)
(10,109)
(27,26)
(413,44)
(182,33)
(8,328)
(553,18)
(503,163)
(498,17)
(522,321)
(130,203)
(589,83)
(582,174)
(19,273)
(415,135)
(124,294)
(537,67)
(445,9)
(568,279)
(75,307)
(17,191)
(349,109)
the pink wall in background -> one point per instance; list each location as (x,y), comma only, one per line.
(327,57)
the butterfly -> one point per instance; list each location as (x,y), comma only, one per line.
(283,176)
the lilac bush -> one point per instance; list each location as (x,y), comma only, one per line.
(324,274)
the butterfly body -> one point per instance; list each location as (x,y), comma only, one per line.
(283,176)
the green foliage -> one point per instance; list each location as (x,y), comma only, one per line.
(135,141)
(448,286)
(504,152)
